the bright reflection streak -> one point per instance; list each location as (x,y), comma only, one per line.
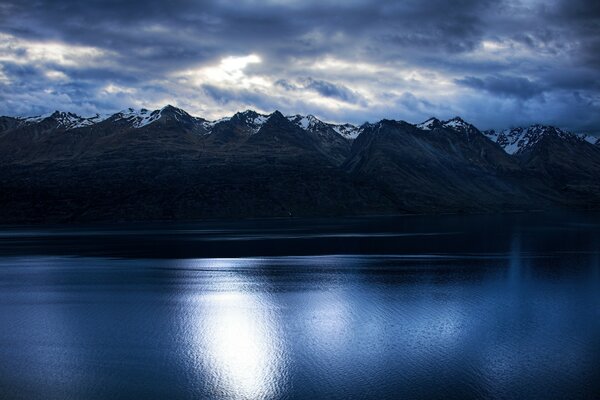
(243,346)
(239,338)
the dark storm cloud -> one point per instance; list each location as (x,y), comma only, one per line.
(322,87)
(329,89)
(244,98)
(500,85)
(225,96)
(494,62)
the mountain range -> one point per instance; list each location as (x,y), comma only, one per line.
(166,164)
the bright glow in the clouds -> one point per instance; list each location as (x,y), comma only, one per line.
(56,75)
(21,51)
(112,89)
(235,64)
(493,45)
(340,65)
(230,71)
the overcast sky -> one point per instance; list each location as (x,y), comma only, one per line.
(496,63)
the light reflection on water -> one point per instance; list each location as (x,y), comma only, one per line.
(303,327)
(238,336)
(514,320)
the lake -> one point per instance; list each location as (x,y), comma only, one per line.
(463,307)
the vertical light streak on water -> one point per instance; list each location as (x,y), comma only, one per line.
(237,335)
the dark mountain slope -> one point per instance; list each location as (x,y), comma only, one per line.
(441,169)
(330,142)
(569,166)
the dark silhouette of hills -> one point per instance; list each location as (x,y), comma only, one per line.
(167,164)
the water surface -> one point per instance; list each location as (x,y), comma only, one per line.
(384,308)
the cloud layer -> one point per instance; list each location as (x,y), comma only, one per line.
(496,63)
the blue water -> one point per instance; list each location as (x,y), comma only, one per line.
(380,308)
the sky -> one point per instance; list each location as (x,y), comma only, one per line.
(497,64)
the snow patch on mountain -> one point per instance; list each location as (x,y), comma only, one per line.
(257,122)
(253,120)
(306,122)
(300,120)
(138,118)
(210,124)
(429,124)
(456,123)
(311,123)
(517,140)
(66,120)
(36,119)
(589,139)
(91,120)
(348,131)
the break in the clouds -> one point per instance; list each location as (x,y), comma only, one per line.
(496,63)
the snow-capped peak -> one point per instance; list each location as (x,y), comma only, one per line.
(177,113)
(348,131)
(300,120)
(516,140)
(430,124)
(66,120)
(87,121)
(138,118)
(456,123)
(311,123)
(306,122)
(252,119)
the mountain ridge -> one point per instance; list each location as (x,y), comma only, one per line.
(167,164)
(508,138)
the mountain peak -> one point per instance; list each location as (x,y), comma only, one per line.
(172,109)
(246,113)
(311,123)
(512,140)
(138,118)
(519,139)
(249,117)
(276,117)
(429,124)
(277,114)
(176,112)
(307,122)
(64,120)
(456,123)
